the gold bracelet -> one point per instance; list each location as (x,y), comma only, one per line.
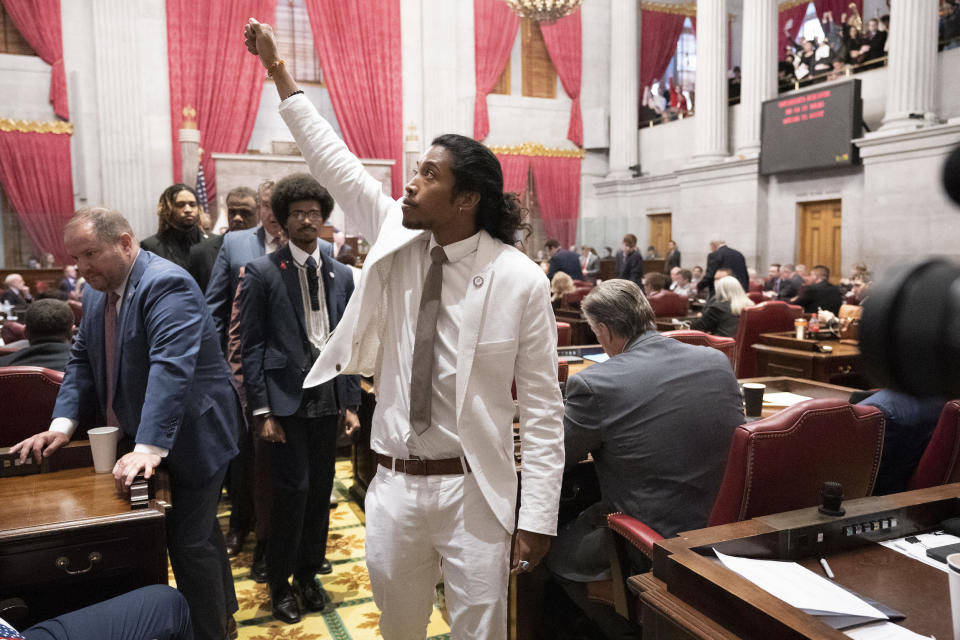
(274,67)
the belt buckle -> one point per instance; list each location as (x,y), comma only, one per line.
(415,466)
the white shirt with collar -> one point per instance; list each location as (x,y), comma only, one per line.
(67,425)
(396,438)
(270,242)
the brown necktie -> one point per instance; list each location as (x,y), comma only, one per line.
(421,378)
(109,348)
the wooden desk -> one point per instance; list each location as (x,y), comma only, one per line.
(690,595)
(55,523)
(779,354)
(666,323)
(810,388)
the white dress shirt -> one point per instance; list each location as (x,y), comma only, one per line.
(68,425)
(396,438)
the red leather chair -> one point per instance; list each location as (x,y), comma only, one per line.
(767,317)
(755,286)
(756,296)
(940,462)
(563,334)
(583,284)
(669,305)
(774,465)
(691,336)
(12,331)
(77,307)
(29,394)
(572,300)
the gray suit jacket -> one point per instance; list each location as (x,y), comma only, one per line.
(658,419)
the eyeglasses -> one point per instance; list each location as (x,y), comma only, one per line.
(313,214)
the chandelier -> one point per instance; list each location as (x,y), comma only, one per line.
(543,10)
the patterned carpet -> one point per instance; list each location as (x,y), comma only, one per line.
(353,615)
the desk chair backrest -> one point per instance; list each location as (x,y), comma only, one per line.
(851,311)
(669,304)
(29,394)
(780,463)
(756,296)
(564,332)
(767,317)
(572,300)
(12,331)
(940,462)
(691,336)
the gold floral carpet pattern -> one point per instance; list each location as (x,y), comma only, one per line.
(352,615)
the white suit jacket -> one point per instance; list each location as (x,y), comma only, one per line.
(508,331)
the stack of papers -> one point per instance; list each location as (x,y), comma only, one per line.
(783,399)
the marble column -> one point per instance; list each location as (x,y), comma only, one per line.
(624,87)
(911,65)
(411,21)
(759,71)
(710,102)
(189,155)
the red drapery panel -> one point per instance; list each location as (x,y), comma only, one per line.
(790,20)
(495,29)
(557,181)
(659,33)
(564,45)
(515,171)
(838,7)
(212,72)
(35,175)
(358,43)
(38,21)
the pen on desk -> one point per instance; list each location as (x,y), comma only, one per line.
(826,568)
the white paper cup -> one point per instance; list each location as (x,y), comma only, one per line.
(103,445)
(953,565)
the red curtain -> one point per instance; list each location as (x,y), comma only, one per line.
(515,171)
(789,20)
(358,43)
(35,174)
(838,7)
(659,33)
(557,181)
(38,21)
(495,29)
(564,46)
(212,72)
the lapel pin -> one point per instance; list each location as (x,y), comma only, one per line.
(478,281)
(331,274)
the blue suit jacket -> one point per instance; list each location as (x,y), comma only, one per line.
(173,387)
(239,248)
(566,261)
(276,352)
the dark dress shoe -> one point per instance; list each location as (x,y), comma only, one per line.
(258,568)
(325,567)
(285,606)
(234,540)
(314,596)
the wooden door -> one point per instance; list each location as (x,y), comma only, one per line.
(660,233)
(820,236)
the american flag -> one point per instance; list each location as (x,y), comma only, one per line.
(201,187)
(7,632)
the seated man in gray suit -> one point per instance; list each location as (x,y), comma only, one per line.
(659,455)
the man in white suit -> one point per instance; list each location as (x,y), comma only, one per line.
(446,487)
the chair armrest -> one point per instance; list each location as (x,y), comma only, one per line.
(638,534)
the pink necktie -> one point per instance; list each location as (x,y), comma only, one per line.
(109,348)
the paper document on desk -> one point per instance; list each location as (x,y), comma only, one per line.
(916,546)
(883,631)
(783,399)
(801,588)
(597,357)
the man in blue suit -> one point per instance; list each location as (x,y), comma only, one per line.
(563,260)
(290,302)
(147,358)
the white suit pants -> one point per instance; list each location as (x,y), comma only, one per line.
(414,523)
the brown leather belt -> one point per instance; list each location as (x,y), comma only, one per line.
(417,467)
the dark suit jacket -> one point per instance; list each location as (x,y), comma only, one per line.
(239,248)
(173,387)
(632,268)
(717,319)
(276,351)
(820,295)
(658,456)
(202,257)
(566,261)
(52,355)
(67,286)
(725,258)
(14,298)
(173,244)
(673,260)
(790,288)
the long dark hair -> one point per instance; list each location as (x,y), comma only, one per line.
(475,168)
